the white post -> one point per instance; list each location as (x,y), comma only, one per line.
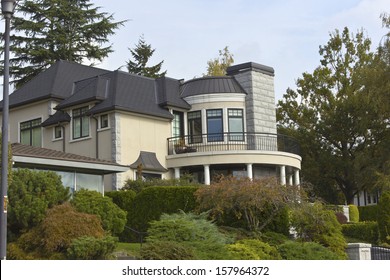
(177,173)
(283,175)
(290,180)
(249,171)
(296,177)
(207,174)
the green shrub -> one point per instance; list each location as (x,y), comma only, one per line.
(353,213)
(292,250)
(139,185)
(113,218)
(90,248)
(166,250)
(253,249)
(273,238)
(313,223)
(364,231)
(384,217)
(124,199)
(368,213)
(151,202)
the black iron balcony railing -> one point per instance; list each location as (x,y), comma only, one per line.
(232,142)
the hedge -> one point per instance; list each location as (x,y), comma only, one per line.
(368,213)
(353,213)
(363,231)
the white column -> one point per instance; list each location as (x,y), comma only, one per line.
(206,174)
(249,171)
(283,175)
(290,179)
(297,181)
(177,173)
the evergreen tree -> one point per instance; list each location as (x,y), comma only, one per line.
(141,55)
(49,30)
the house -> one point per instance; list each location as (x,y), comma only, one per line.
(160,127)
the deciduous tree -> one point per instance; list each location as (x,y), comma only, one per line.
(218,66)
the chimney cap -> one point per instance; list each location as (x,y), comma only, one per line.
(250,66)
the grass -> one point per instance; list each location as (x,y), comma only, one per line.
(129,249)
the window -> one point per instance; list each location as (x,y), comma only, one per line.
(236,125)
(195,127)
(104,121)
(57,132)
(30,132)
(178,124)
(214,125)
(80,123)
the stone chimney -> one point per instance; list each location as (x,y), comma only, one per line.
(258,81)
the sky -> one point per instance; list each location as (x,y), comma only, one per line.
(285,35)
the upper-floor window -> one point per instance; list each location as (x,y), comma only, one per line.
(30,132)
(58,132)
(178,124)
(214,125)
(194,127)
(104,121)
(80,123)
(236,124)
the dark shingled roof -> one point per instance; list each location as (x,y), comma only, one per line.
(149,162)
(54,82)
(168,93)
(37,152)
(58,117)
(132,93)
(208,85)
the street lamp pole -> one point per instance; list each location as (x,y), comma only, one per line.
(7,8)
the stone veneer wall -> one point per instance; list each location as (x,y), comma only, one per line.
(258,81)
(116,148)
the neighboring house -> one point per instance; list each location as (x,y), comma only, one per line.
(159,127)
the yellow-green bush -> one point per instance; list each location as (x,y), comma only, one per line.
(353,213)
(253,249)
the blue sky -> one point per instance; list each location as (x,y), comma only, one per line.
(285,35)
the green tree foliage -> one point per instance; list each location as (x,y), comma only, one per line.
(292,250)
(257,201)
(31,194)
(49,30)
(192,231)
(91,248)
(112,217)
(9,160)
(141,55)
(313,223)
(253,249)
(343,136)
(384,217)
(54,235)
(219,65)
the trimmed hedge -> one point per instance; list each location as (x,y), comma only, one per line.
(124,199)
(384,217)
(151,202)
(353,213)
(368,213)
(364,231)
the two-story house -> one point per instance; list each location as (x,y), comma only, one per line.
(161,127)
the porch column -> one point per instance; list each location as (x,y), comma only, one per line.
(206,174)
(249,171)
(283,175)
(177,173)
(290,179)
(297,180)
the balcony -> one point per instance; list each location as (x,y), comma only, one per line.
(232,142)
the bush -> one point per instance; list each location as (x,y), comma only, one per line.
(363,231)
(273,238)
(368,213)
(91,248)
(384,217)
(166,250)
(30,194)
(292,250)
(138,185)
(353,213)
(313,223)
(113,218)
(253,249)
(151,202)
(124,199)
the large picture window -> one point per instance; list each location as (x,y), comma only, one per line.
(80,123)
(236,125)
(194,127)
(30,132)
(214,125)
